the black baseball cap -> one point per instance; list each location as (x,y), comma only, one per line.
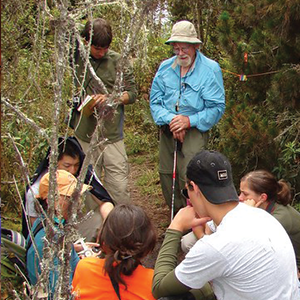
(211,171)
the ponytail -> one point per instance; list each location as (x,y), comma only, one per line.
(261,181)
(284,196)
(117,264)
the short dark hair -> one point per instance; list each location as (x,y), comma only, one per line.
(68,148)
(101,33)
(128,235)
(262,181)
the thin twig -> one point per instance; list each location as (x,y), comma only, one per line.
(30,122)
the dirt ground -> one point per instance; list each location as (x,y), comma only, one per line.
(160,216)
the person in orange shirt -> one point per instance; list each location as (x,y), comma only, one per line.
(126,237)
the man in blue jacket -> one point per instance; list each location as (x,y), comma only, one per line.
(187,98)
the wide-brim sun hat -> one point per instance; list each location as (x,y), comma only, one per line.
(66,184)
(183,32)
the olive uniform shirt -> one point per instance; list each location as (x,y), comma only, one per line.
(106,69)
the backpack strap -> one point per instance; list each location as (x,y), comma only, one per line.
(39,227)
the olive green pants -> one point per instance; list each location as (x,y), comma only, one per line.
(194,142)
(89,228)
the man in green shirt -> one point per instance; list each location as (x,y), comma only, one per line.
(112,160)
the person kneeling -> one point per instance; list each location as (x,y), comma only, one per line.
(126,237)
(66,184)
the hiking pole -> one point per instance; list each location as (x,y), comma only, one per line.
(174,179)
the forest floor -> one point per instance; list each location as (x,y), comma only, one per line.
(156,209)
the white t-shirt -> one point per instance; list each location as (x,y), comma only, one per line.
(30,196)
(249,257)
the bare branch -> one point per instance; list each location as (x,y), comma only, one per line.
(85,56)
(63,17)
(30,122)
(23,168)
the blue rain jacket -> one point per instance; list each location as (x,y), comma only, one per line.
(200,93)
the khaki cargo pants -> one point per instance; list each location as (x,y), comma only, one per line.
(112,163)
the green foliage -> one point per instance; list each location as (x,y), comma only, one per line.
(246,138)
(11,167)
(146,66)
(27,83)
(14,14)
(148,181)
(284,91)
(270,48)
(259,128)
(224,16)
(289,158)
(288,164)
(29,90)
(180,10)
(141,134)
(253,138)
(30,76)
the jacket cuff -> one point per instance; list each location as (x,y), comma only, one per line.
(193,120)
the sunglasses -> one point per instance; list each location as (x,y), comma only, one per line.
(184,193)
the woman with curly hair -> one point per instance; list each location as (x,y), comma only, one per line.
(126,237)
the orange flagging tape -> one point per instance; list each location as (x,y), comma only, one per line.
(244,77)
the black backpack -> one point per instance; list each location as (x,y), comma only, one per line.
(13,256)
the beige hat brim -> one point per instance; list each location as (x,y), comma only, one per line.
(68,190)
(183,39)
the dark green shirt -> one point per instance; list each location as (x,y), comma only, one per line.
(106,69)
(165,282)
(289,218)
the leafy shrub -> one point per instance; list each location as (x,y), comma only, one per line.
(250,137)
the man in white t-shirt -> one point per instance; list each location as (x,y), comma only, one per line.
(250,256)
